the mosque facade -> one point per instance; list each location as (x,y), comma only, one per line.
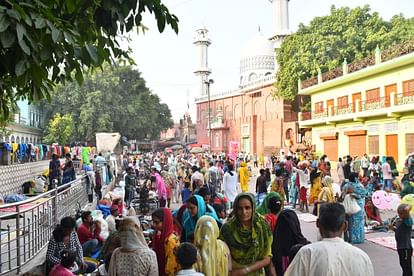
(247,118)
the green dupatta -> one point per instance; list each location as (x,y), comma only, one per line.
(247,246)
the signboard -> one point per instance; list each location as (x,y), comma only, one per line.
(233,149)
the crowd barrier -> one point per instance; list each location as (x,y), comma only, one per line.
(27,226)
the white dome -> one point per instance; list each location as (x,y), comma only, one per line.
(257,59)
(258,46)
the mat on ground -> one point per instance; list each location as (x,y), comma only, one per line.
(388,241)
(306,217)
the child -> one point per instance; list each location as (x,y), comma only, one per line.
(403,227)
(67,260)
(186,257)
(186,193)
(220,210)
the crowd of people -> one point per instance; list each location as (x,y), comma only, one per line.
(208,223)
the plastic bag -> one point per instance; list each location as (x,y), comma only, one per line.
(350,204)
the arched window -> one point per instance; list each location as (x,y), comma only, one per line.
(30,141)
(7,139)
(256,109)
(252,77)
(227,112)
(27,140)
(247,110)
(12,139)
(268,74)
(18,140)
(237,111)
(267,104)
(217,141)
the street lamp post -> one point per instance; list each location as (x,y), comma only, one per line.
(208,83)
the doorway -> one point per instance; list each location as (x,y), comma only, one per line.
(356,97)
(391,142)
(246,144)
(330,106)
(388,90)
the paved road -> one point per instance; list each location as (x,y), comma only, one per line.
(385,260)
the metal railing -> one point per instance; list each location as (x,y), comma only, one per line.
(26,226)
(360,106)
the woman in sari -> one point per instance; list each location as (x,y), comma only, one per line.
(315,189)
(248,237)
(373,217)
(358,220)
(326,195)
(196,209)
(244,177)
(278,187)
(286,235)
(134,257)
(214,253)
(165,242)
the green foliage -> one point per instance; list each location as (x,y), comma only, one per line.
(44,42)
(59,129)
(115,99)
(350,34)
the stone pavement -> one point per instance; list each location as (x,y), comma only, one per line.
(384,260)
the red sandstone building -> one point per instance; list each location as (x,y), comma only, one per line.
(250,117)
(247,116)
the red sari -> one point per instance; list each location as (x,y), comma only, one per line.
(158,243)
(271,220)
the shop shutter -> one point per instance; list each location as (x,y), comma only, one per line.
(357,145)
(331,148)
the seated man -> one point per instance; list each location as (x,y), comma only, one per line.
(111,219)
(89,234)
(332,255)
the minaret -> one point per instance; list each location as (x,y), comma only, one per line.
(202,71)
(280,23)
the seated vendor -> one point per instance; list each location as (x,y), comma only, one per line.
(89,234)
(372,213)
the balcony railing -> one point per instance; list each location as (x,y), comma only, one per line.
(360,106)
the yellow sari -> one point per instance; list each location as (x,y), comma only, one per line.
(214,253)
(244,177)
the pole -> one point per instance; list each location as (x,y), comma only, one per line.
(209,118)
(208,83)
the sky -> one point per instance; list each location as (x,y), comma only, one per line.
(167,60)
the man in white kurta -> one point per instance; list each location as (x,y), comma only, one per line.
(331,256)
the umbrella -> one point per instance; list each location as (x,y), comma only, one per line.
(197,150)
(176,147)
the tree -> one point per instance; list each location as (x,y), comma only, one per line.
(114,99)
(59,129)
(346,33)
(44,42)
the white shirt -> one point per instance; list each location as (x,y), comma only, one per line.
(365,162)
(111,223)
(189,272)
(330,257)
(303,177)
(230,185)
